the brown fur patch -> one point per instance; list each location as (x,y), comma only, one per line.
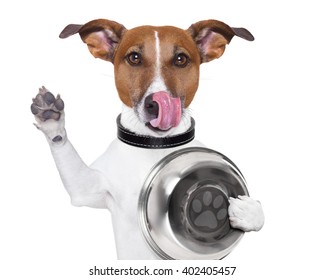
(133,81)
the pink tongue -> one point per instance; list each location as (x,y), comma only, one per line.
(170,112)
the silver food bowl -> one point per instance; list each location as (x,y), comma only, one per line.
(183,205)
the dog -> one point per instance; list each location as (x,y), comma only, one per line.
(156,73)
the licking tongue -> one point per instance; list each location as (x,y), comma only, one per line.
(169,111)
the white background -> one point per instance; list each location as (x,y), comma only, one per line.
(261,105)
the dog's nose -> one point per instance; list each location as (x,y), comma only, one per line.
(151,106)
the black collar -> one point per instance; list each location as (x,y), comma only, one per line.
(150,142)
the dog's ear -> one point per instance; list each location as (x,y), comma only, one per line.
(212,36)
(101,36)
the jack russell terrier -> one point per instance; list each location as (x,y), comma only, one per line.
(156,76)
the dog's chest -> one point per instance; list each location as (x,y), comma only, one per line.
(126,168)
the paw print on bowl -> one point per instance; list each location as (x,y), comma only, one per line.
(207,214)
(209,210)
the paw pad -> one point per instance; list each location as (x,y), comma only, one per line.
(45,106)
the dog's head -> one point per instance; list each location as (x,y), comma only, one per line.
(156,68)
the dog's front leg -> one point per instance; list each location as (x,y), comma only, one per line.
(245,213)
(86,186)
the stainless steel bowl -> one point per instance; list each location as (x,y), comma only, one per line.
(183,205)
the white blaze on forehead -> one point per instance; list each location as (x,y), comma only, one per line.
(158,82)
(157,54)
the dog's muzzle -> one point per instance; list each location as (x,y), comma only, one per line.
(183,206)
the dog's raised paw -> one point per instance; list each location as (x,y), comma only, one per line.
(45,106)
(49,114)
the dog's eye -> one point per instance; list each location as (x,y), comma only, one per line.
(181,60)
(134,58)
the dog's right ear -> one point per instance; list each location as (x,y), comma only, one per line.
(102,36)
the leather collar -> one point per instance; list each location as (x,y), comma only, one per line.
(151,142)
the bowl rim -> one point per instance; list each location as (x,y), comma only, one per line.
(159,235)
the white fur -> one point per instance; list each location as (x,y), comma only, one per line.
(158,64)
(114,182)
(115,179)
(246,213)
(52,128)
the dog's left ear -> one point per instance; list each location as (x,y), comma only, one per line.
(102,36)
(212,36)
